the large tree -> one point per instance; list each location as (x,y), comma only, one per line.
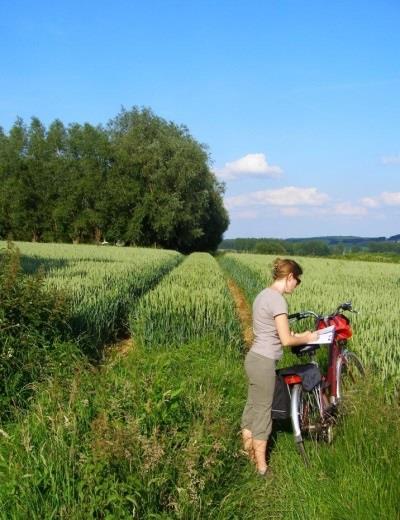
(175,199)
(141,179)
(15,192)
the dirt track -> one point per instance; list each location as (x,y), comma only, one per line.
(244,312)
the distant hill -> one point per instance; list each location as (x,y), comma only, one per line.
(317,246)
(331,240)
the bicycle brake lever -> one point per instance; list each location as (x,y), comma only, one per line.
(348,307)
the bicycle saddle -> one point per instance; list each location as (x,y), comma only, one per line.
(301,350)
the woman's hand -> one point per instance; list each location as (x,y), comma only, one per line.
(288,337)
(311,336)
(306,336)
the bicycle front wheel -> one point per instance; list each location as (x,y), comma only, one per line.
(349,372)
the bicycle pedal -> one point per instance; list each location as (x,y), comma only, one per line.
(330,414)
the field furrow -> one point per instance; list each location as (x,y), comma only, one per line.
(191,303)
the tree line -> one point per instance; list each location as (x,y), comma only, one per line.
(304,247)
(140,179)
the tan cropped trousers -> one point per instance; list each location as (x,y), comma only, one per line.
(256,416)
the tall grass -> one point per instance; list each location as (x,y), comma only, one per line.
(32,325)
(154,434)
(102,283)
(192,302)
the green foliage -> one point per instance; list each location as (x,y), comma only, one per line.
(255,245)
(31,319)
(270,247)
(141,179)
(389,247)
(364,256)
(180,199)
(355,477)
(348,247)
(310,248)
(151,435)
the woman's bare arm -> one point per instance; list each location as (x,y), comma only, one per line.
(289,340)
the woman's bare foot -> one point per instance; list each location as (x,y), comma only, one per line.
(260,448)
(247,438)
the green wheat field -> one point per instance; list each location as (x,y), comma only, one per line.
(151,431)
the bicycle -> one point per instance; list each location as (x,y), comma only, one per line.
(313,411)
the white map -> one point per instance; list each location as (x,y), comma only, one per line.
(325,336)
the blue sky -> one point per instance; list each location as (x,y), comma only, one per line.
(298,101)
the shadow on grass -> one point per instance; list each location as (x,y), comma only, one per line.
(278,426)
(33,264)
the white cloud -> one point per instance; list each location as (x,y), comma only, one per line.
(288,196)
(391,159)
(347,208)
(391,198)
(294,202)
(251,165)
(386,198)
(340,208)
(370,202)
(247,215)
(291,211)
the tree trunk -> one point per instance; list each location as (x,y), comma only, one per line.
(97,235)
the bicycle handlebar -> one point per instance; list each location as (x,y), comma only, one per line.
(345,306)
(302,315)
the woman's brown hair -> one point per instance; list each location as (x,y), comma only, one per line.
(282,267)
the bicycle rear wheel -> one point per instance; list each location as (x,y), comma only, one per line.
(349,372)
(306,416)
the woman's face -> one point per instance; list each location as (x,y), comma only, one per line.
(291,283)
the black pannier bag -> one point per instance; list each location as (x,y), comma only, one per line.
(310,376)
(281,401)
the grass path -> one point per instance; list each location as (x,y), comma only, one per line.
(115,351)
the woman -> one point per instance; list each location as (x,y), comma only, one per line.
(271,331)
